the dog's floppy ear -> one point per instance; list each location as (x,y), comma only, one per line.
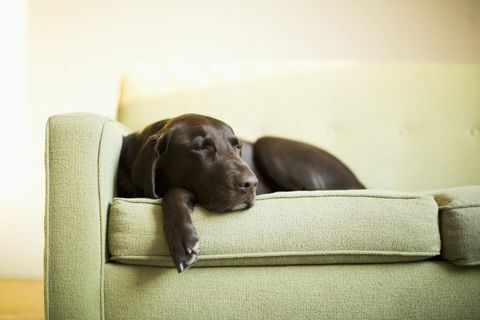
(146,163)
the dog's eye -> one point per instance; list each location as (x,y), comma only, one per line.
(235,143)
(206,146)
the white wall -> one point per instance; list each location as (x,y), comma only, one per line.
(78,48)
(20,222)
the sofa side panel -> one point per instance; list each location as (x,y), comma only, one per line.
(82,152)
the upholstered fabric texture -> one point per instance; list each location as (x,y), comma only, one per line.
(460,224)
(81,159)
(416,290)
(308,227)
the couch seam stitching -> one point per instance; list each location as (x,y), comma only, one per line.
(342,196)
(459,207)
(472,263)
(102,253)
(293,254)
(289,197)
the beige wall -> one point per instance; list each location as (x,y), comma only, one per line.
(20,220)
(78,48)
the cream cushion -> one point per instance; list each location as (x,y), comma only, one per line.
(460,224)
(316,227)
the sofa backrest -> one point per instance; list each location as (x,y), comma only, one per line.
(397,126)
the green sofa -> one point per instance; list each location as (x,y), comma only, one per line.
(300,255)
(359,254)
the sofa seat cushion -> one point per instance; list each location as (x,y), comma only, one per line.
(286,228)
(460,224)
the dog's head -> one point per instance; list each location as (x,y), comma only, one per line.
(198,153)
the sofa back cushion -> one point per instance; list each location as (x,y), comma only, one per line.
(315,227)
(403,127)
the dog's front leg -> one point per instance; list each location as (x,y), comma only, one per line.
(178,227)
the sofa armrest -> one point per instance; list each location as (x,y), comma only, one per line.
(81,159)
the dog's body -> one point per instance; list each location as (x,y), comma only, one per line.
(197,159)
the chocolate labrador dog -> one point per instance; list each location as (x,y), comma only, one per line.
(194,159)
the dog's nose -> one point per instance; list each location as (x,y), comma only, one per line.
(247,182)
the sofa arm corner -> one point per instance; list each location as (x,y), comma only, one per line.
(81,158)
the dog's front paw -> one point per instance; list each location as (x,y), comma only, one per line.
(184,246)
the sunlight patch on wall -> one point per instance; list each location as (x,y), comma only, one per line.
(173,76)
(14,166)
